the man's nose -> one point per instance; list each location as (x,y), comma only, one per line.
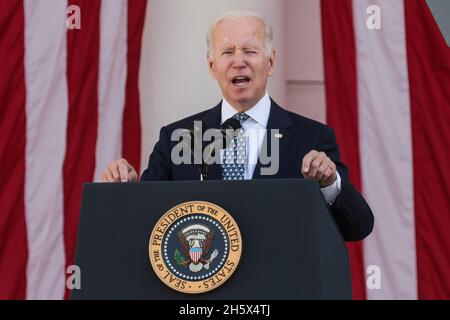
(239,60)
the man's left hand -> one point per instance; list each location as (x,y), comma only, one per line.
(317,166)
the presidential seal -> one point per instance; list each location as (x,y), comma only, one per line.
(195,247)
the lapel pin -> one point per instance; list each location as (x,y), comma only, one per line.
(278,135)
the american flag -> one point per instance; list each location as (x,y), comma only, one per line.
(69,104)
(388,100)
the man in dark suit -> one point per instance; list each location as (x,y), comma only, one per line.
(241,58)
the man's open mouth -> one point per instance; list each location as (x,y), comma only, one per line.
(241,81)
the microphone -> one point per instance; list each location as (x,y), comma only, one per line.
(230,125)
(193,132)
(228,131)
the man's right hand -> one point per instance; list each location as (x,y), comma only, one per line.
(119,171)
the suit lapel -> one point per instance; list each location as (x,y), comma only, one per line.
(212,121)
(278,119)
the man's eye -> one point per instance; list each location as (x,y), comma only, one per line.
(226,52)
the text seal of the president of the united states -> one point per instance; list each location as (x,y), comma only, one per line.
(195,247)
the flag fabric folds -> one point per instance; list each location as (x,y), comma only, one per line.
(388,99)
(69,104)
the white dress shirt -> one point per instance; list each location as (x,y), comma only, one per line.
(255,132)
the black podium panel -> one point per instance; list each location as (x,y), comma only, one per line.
(292,248)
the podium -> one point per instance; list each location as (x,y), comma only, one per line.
(292,247)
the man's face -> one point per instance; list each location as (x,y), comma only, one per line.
(239,61)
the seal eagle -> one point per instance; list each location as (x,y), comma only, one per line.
(196,242)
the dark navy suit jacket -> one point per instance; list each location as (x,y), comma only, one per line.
(300,136)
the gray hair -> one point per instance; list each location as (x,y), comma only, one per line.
(235,14)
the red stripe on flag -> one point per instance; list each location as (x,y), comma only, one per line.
(131,143)
(82,77)
(342,105)
(429,77)
(13,234)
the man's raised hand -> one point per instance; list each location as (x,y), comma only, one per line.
(317,166)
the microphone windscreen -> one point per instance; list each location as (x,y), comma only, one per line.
(231,123)
(228,130)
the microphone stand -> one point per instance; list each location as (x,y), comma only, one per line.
(230,124)
(211,152)
(203,170)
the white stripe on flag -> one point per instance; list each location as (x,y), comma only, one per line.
(112,81)
(386,148)
(46,107)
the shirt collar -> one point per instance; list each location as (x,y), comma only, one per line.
(259,112)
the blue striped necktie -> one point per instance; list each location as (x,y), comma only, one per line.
(235,156)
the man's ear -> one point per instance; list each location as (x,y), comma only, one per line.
(211,68)
(271,64)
